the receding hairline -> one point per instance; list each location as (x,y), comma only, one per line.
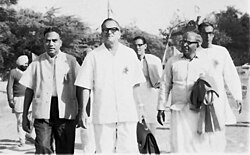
(110,19)
(196,35)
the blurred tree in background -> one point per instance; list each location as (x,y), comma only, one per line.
(21,32)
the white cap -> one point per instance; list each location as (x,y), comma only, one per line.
(22,60)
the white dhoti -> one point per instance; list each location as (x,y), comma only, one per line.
(185,139)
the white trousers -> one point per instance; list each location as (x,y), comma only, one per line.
(88,139)
(18,110)
(116,137)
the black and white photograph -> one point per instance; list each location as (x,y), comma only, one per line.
(124,76)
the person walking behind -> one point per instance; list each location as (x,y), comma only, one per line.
(149,90)
(50,87)
(112,72)
(222,69)
(15,94)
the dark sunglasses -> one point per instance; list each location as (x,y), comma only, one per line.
(208,33)
(112,29)
(188,42)
(139,45)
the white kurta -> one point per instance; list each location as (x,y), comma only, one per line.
(179,76)
(222,69)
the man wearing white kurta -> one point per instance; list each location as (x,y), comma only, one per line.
(180,74)
(111,71)
(224,72)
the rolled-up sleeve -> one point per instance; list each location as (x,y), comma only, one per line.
(27,77)
(85,75)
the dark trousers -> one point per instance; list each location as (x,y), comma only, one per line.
(61,130)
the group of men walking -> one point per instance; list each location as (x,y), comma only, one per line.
(126,87)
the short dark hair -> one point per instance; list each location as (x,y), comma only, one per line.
(142,38)
(204,24)
(110,19)
(52,29)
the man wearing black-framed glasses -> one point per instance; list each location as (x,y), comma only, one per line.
(148,91)
(113,72)
(180,73)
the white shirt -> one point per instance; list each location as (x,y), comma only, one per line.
(111,77)
(39,77)
(179,75)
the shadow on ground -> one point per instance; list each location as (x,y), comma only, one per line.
(12,145)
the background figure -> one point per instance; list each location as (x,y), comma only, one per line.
(247,100)
(112,72)
(180,74)
(222,69)
(149,90)
(15,94)
(50,86)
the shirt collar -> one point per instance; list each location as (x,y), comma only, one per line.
(59,54)
(183,56)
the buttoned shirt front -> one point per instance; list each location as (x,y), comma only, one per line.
(42,79)
(179,75)
(112,78)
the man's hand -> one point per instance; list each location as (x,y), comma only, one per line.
(26,124)
(141,113)
(161,116)
(82,121)
(11,104)
(239,105)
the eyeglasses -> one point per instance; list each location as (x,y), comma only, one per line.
(112,29)
(208,33)
(139,45)
(188,42)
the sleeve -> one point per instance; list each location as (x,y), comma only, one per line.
(10,86)
(85,76)
(231,77)
(27,77)
(165,86)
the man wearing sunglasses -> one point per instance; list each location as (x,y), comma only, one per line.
(224,72)
(112,72)
(148,91)
(179,75)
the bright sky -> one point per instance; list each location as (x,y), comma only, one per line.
(148,15)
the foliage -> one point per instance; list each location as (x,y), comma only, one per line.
(235,24)
(231,31)
(155,44)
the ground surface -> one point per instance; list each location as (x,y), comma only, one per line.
(237,135)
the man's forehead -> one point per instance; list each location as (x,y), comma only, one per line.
(52,35)
(189,36)
(208,29)
(109,24)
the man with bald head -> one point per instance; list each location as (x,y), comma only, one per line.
(180,74)
(50,86)
(112,71)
